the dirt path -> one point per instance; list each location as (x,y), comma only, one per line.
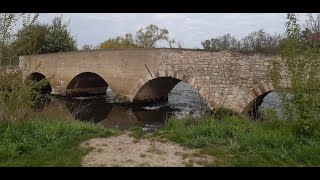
(126,151)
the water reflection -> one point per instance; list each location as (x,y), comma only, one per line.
(182,102)
(94,110)
(111,115)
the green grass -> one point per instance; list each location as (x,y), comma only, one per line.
(234,141)
(237,141)
(137,132)
(41,142)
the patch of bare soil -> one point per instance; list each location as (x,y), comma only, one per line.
(125,151)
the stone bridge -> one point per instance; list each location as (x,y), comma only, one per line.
(224,79)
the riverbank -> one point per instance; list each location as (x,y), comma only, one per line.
(230,141)
(46,142)
(239,141)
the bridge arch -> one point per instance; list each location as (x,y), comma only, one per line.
(167,81)
(86,84)
(36,76)
(254,97)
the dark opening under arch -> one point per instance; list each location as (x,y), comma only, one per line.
(86,84)
(46,87)
(252,108)
(156,90)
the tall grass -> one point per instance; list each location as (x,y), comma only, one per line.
(37,139)
(41,142)
(18,98)
(238,141)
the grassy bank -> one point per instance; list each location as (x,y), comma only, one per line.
(236,141)
(233,141)
(41,142)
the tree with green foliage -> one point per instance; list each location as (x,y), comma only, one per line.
(16,96)
(45,38)
(144,38)
(59,38)
(31,39)
(302,63)
(149,36)
(8,23)
(119,42)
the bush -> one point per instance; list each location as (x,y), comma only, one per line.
(300,67)
(17,98)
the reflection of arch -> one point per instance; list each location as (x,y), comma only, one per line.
(254,97)
(120,117)
(36,76)
(94,110)
(124,117)
(86,84)
(168,79)
(152,116)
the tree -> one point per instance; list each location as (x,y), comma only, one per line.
(119,42)
(59,38)
(225,42)
(173,44)
(8,23)
(303,71)
(313,23)
(88,47)
(260,41)
(149,36)
(311,32)
(44,38)
(31,39)
(144,38)
(16,96)
(257,41)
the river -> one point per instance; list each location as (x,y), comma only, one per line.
(182,102)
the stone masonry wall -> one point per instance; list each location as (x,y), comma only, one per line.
(222,78)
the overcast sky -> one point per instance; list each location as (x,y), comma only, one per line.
(190,29)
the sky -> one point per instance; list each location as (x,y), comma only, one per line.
(188,28)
